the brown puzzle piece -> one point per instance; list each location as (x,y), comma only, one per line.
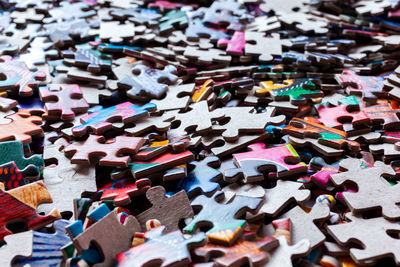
(169,211)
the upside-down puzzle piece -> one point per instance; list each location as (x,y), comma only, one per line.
(243,121)
(199,118)
(280,196)
(169,211)
(114,32)
(153,123)
(147,82)
(295,90)
(100,119)
(263,47)
(20,204)
(226,228)
(242,252)
(370,87)
(120,228)
(14,248)
(46,246)
(121,191)
(14,151)
(371,234)
(303,226)
(177,97)
(389,151)
(374,192)
(284,254)
(196,29)
(251,164)
(109,152)
(172,249)
(65,181)
(63,100)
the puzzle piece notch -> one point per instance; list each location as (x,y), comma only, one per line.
(254,252)
(175,253)
(109,152)
(101,119)
(120,191)
(169,211)
(63,100)
(226,228)
(244,120)
(372,234)
(259,159)
(147,82)
(65,181)
(21,203)
(374,192)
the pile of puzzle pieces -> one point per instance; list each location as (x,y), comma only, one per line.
(200,133)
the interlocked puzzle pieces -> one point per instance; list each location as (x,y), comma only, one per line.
(63,100)
(108,151)
(274,159)
(225,227)
(101,119)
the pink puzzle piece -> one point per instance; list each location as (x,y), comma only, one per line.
(283,160)
(336,116)
(235,45)
(63,100)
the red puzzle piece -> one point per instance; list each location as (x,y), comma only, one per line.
(20,204)
(63,100)
(108,151)
(121,190)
